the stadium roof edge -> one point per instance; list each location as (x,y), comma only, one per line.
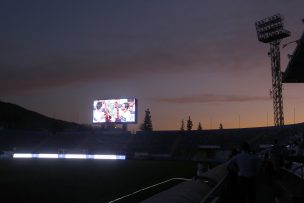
(294,72)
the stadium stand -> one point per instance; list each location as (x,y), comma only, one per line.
(177,144)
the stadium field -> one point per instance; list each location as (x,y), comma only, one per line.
(33,180)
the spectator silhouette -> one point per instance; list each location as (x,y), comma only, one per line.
(246,165)
(299,149)
(277,157)
(267,167)
(231,187)
(200,171)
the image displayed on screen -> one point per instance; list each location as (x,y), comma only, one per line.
(114,111)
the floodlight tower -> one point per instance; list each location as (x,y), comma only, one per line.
(271,30)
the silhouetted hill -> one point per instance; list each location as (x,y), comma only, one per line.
(13,116)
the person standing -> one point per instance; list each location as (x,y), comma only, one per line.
(277,157)
(98,113)
(125,113)
(231,187)
(246,164)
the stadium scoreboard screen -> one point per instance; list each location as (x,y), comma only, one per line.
(115,110)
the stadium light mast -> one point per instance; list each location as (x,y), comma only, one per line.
(271,30)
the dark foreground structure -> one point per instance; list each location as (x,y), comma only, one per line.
(294,72)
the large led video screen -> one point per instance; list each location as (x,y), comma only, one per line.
(115,111)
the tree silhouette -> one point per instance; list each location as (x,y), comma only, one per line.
(221,126)
(147,125)
(199,126)
(189,124)
(183,126)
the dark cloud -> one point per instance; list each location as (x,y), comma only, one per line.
(210,98)
(102,65)
(119,41)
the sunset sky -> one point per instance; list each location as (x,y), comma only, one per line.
(180,58)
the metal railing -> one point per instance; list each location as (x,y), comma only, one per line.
(297,166)
(301,169)
(210,197)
